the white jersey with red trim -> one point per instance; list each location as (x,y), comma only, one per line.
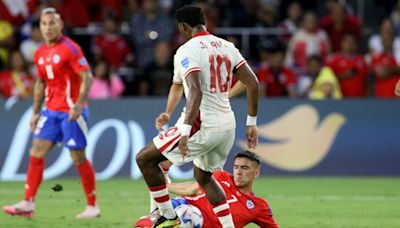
(216,59)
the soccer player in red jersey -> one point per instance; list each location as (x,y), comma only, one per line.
(386,69)
(63,81)
(350,68)
(245,207)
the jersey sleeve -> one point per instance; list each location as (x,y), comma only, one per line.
(186,61)
(177,77)
(78,61)
(238,60)
(222,175)
(264,216)
(39,72)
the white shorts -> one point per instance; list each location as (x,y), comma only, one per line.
(208,150)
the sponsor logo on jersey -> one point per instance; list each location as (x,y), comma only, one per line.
(41,61)
(82,61)
(56,58)
(185,62)
(249,204)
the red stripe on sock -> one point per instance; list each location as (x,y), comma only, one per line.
(87,174)
(161,199)
(34,177)
(158,188)
(223,213)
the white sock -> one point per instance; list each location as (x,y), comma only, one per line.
(160,195)
(224,214)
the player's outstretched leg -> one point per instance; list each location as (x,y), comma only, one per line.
(26,207)
(215,196)
(148,160)
(88,181)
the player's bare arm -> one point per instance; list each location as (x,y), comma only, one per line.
(397,89)
(38,97)
(248,78)
(174,97)
(387,72)
(192,108)
(189,188)
(236,90)
(87,79)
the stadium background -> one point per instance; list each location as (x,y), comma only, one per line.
(326,163)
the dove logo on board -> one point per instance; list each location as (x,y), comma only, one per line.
(300,139)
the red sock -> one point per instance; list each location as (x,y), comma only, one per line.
(86,172)
(33,177)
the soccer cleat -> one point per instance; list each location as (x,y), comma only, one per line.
(89,213)
(24,208)
(163,222)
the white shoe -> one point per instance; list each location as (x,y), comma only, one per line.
(89,213)
(24,208)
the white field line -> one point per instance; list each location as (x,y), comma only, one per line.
(131,194)
(335,197)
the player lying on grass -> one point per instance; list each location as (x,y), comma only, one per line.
(245,206)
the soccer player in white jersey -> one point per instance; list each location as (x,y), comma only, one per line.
(203,69)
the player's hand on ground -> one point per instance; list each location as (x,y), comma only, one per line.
(183,146)
(75,112)
(397,90)
(34,119)
(161,120)
(252,136)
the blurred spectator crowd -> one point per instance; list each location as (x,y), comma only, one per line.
(320,52)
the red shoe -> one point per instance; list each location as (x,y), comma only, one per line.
(24,208)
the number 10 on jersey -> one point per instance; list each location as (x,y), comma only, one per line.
(219,75)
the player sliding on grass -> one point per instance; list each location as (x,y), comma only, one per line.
(245,207)
(63,79)
(203,66)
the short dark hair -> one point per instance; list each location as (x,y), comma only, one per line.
(190,14)
(249,155)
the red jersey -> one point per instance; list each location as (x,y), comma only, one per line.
(351,25)
(276,84)
(14,84)
(355,86)
(113,48)
(245,209)
(385,87)
(59,66)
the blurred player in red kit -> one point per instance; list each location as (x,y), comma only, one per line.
(63,81)
(203,69)
(245,206)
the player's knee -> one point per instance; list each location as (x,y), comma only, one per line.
(141,158)
(37,151)
(78,156)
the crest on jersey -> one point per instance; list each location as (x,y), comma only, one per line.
(82,61)
(249,204)
(56,58)
(41,61)
(185,62)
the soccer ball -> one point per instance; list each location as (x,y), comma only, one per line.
(190,216)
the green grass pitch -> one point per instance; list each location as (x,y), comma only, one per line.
(296,202)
